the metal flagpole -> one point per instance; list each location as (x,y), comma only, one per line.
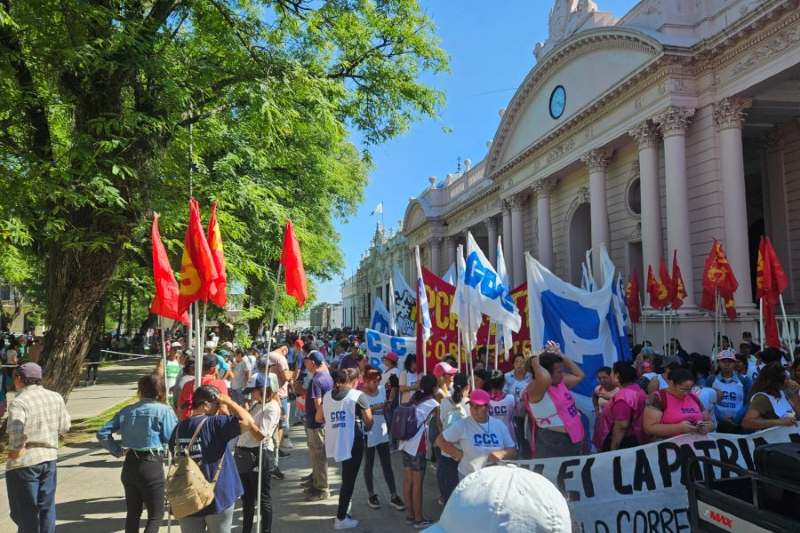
(761,322)
(198,347)
(458,329)
(264,393)
(788,333)
(166,398)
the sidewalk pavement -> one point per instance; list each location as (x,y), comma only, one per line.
(90,498)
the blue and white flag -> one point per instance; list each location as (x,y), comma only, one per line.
(381,319)
(587,282)
(379,344)
(405,299)
(503,334)
(486,290)
(609,272)
(583,323)
(392,315)
(469,317)
(422,303)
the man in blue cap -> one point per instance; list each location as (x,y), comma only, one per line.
(321,382)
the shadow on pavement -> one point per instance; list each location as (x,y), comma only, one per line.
(81,515)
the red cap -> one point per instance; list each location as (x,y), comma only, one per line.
(391,356)
(479,397)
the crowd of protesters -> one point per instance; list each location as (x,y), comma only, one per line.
(235,424)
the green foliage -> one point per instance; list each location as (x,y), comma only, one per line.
(101,104)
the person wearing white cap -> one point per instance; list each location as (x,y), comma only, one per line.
(504,499)
(478,439)
(732,391)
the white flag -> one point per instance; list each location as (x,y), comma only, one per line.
(504,340)
(378,209)
(422,303)
(392,312)
(469,317)
(484,287)
(450,275)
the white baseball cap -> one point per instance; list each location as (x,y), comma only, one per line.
(504,499)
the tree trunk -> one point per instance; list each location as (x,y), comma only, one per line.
(77,281)
(128,319)
(119,315)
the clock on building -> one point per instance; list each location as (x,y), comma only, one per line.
(558,101)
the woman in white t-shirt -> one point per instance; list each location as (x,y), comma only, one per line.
(478,439)
(414,452)
(408,379)
(451,410)
(378,441)
(501,405)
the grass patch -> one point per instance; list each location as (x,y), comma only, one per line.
(87,427)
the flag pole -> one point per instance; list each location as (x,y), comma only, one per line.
(787,331)
(761,321)
(166,398)
(198,347)
(264,394)
(458,318)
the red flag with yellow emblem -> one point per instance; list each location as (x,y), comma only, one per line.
(678,287)
(217,252)
(632,298)
(771,281)
(666,281)
(198,273)
(659,294)
(718,276)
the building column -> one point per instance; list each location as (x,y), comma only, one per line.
(452,245)
(518,246)
(728,117)
(508,250)
(491,229)
(597,163)
(544,226)
(674,122)
(646,135)
(435,244)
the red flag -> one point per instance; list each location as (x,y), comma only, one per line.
(218,254)
(292,262)
(666,281)
(165,301)
(770,283)
(678,288)
(659,294)
(198,273)
(632,298)
(718,276)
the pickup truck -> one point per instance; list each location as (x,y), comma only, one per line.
(726,498)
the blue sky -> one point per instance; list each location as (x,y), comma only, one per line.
(490,44)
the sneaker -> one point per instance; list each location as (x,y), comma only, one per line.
(307,483)
(314,495)
(410,520)
(422,524)
(347,523)
(282,453)
(306,478)
(277,474)
(397,503)
(373,502)
(287,443)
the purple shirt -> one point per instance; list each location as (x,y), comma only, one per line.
(321,383)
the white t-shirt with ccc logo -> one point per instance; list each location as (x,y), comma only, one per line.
(477,440)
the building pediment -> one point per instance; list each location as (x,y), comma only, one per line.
(415,216)
(566,81)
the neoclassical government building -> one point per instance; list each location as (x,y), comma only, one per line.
(667,128)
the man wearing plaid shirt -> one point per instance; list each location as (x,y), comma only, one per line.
(36,418)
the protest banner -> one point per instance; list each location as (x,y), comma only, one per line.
(444,333)
(379,344)
(643,489)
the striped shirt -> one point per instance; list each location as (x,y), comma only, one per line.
(36,418)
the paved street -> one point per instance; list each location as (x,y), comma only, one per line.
(90,496)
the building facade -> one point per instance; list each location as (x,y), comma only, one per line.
(388,249)
(653,133)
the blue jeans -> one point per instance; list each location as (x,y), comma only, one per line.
(32,497)
(446,476)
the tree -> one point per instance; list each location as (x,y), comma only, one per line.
(99,102)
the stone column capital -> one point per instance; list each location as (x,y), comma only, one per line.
(646,134)
(596,160)
(516,202)
(544,187)
(729,112)
(674,120)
